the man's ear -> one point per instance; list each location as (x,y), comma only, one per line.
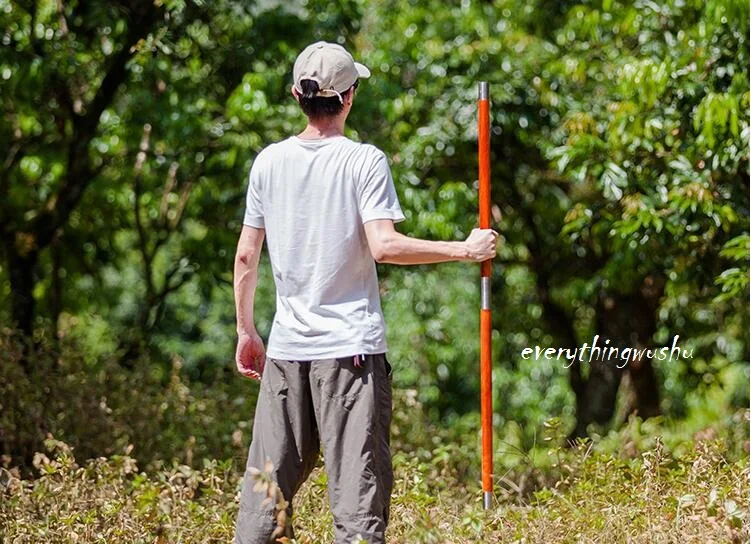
(349,96)
(295,93)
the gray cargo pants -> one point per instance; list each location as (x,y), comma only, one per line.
(346,409)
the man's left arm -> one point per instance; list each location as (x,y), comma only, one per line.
(250,354)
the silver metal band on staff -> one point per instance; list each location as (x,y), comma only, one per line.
(487,499)
(485,293)
(483,88)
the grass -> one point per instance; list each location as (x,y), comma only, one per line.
(581,495)
(652,481)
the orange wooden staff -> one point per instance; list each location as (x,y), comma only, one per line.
(486,376)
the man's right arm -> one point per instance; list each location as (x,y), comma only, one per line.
(389,246)
(250,353)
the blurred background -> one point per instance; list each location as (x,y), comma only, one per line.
(620,139)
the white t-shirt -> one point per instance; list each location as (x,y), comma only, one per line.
(312,197)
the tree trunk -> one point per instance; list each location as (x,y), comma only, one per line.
(56,292)
(646,392)
(623,321)
(21,265)
(641,371)
(21,260)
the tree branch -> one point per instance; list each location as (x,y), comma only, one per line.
(79,173)
(146,255)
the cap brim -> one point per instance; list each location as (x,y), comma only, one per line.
(362,70)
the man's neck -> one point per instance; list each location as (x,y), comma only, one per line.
(318,129)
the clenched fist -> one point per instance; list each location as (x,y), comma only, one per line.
(481,244)
(250,355)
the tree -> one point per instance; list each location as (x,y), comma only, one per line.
(618,150)
(619,167)
(132,129)
(63,70)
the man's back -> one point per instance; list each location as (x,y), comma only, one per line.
(312,198)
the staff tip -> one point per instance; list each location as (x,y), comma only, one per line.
(483,90)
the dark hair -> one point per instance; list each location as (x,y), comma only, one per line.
(317,107)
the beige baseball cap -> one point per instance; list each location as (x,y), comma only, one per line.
(329,65)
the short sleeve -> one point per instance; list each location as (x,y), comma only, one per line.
(377,195)
(253,205)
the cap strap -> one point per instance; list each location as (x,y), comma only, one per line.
(341,100)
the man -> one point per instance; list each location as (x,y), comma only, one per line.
(327,207)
